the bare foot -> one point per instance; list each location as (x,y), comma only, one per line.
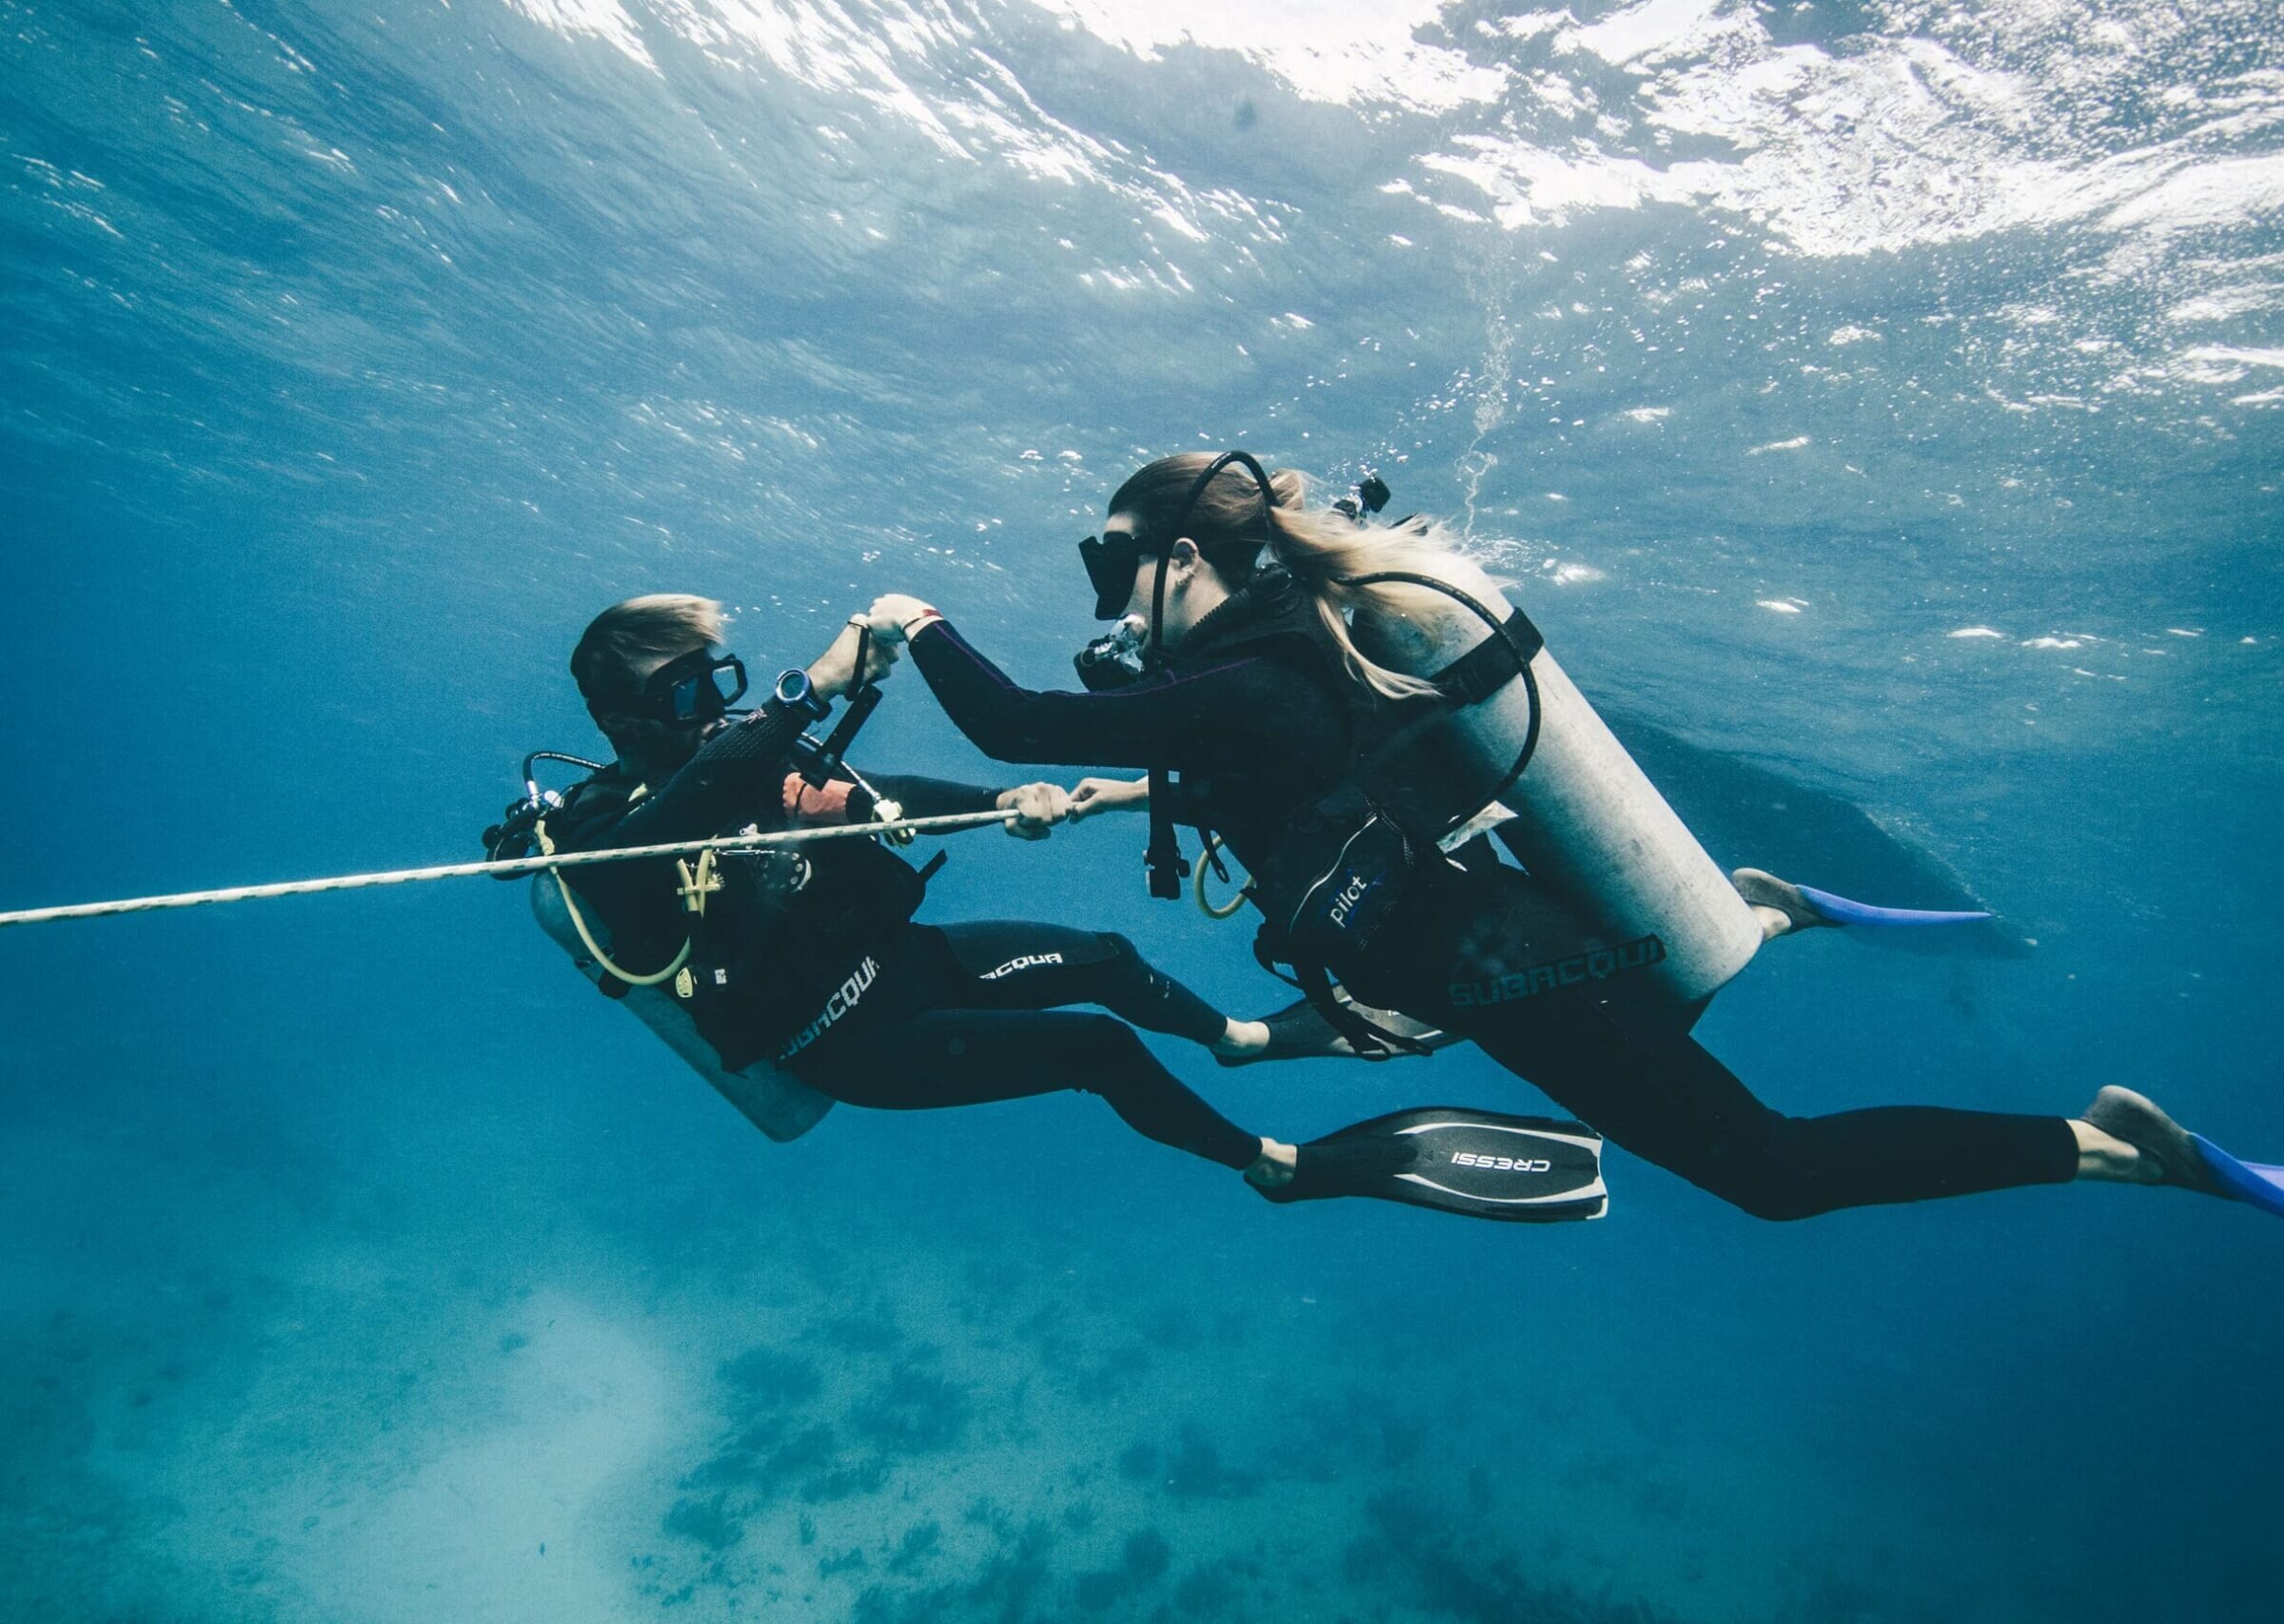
(2109,1160)
(2165,1153)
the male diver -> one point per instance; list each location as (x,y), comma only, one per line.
(810,957)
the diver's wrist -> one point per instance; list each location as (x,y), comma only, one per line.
(805,692)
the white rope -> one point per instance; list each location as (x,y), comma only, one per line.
(946,824)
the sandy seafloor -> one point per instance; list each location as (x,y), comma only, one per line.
(571,1342)
(849,1413)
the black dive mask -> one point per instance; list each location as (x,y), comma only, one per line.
(1113,561)
(690,688)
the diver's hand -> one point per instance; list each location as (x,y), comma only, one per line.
(834,671)
(894,616)
(1095,795)
(1038,808)
(881,656)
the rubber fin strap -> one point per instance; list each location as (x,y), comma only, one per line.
(2253,1183)
(1368,1038)
(1843,911)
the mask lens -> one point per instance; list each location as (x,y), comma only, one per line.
(690,689)
(733,690)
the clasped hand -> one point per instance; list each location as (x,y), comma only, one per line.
(892,612)
(1037,807)
(834,673)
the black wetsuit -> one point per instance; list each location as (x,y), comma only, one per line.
(1254,716)
(843,989)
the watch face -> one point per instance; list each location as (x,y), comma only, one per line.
(793,688)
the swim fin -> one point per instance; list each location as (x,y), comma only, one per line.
(1478,1164)
(1423,1038)
(1295,1032)
(2186,1161)
(1806,906)
(2250,1182)
(1300,1032)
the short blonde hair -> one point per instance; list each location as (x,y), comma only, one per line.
(661,624)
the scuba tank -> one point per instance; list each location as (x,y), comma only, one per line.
(1582,816)
(780,1105)
(714,1000)
(1507,741)
(776,1101)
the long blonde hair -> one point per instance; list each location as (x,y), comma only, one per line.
(1378,627)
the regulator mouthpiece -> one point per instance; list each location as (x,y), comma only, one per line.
(1115,660)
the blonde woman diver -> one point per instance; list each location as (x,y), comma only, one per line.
(1254,689)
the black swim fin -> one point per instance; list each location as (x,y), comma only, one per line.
(1300,1032)
(1295,1032)
(1478,1164)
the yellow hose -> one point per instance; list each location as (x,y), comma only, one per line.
(578,919)
(1197,883)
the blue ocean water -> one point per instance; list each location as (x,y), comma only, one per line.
(1882,397)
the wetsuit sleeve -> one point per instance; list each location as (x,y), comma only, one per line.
(739,774)
(839,802)
(1154,721)
(934,797)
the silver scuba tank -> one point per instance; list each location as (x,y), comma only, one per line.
(780,1105)
(1585,819)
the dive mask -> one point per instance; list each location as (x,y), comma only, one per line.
(1113,560)
(696,687)
(1114,660)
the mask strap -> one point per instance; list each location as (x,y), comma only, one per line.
(1154,654)
(1252,465)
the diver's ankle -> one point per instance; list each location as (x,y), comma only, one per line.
(2106,1159)
(1241,1038)
(1273,1168)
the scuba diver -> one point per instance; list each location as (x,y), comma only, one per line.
(1354,711)
(808,959)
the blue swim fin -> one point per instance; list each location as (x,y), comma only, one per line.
(2250,1182)
(1806,906)
(1839,910)
(2189,1160)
